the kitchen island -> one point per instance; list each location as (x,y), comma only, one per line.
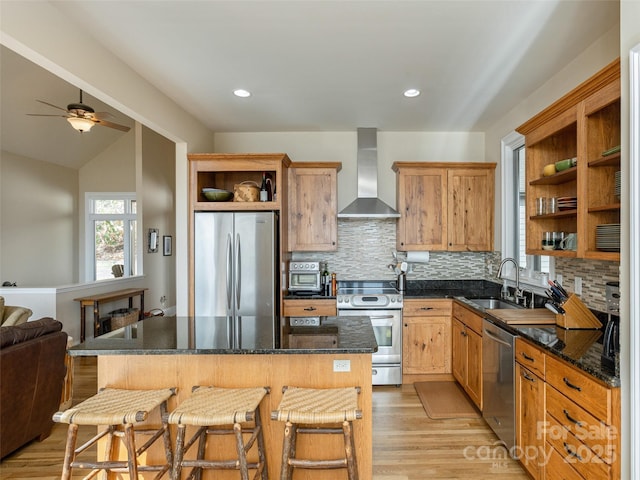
(237,352)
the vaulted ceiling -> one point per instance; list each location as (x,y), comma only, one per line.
(312,65)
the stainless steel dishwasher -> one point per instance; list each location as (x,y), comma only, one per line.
(498,382)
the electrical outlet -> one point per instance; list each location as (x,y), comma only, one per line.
(577,286)
(559,278)
(163,301)
(342,365)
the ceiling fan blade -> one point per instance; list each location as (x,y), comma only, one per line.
(102,115)
(45,115)
(52,105)
(104,123)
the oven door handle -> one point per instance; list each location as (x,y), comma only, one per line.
(380,317)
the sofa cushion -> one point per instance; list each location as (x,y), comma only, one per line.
(27,331)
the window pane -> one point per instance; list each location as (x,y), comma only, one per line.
(109,206)
(133,206)
(109,238)
(133,241)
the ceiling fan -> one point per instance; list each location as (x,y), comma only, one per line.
(82,117)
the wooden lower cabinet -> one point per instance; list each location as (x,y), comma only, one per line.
(426,337)
(466,331)
(530,409)
(568,416)
(310,307)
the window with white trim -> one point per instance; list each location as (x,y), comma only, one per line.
(111,235)
(514,209)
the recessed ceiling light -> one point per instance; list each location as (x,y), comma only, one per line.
(241,93)
(412,92)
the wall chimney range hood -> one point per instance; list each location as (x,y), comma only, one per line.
(368,205)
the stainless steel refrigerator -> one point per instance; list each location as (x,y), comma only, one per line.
(236,258)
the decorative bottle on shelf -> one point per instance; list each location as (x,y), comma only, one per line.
(334,285)
(326,279)
(264,193)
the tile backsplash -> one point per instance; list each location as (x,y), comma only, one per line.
(366,246)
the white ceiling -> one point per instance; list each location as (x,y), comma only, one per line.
(324,65)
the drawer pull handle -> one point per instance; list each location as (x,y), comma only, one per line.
(309,309)
(571,452)
(527,377)
(426,308)
(571,419)
(528,358)
(571,385)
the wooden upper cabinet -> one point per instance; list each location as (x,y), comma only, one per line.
(313,204)
(445,206)
(226,170)
(470,209)
(422,203)
(583,124)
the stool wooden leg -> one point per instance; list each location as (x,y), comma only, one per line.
(202,446)
(166,434)
(242,454)
(350,451)
(69,451)
(262,458)
(130,443)
(179,454)
(288,450)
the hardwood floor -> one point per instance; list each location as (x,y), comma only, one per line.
(407,444)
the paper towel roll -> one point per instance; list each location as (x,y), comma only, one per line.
(417,257)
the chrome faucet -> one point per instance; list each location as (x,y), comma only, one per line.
(518,292)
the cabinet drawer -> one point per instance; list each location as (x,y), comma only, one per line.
(581,388)
(427,308)
(310,308)
(468,317)
(531,357)
(584,426)
(576,453)
(557,469)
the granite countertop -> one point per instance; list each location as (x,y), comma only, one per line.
(223,336)
(581,348)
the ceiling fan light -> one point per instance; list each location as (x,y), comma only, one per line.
(81,124)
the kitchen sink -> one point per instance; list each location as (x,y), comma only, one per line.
(491,303)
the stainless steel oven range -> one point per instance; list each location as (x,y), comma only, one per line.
(380,301)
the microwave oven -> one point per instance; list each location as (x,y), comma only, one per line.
(304,277)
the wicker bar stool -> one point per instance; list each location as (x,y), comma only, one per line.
(119,410)
(312,411)
(226,409)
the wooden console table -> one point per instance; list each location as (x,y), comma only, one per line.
(95,301)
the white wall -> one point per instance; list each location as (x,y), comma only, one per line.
(158,182)
(39,224)
(342,147)
(629,37)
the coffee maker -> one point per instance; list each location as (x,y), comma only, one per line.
(611,339)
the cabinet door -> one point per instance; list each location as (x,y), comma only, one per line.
(426,345)
(312,197)
(529,412)
(422,205)
(459,351)
(470,207)
(474,367)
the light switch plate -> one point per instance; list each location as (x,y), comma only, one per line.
(577,287)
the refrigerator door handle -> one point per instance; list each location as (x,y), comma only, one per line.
(238,272)
(229,273)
